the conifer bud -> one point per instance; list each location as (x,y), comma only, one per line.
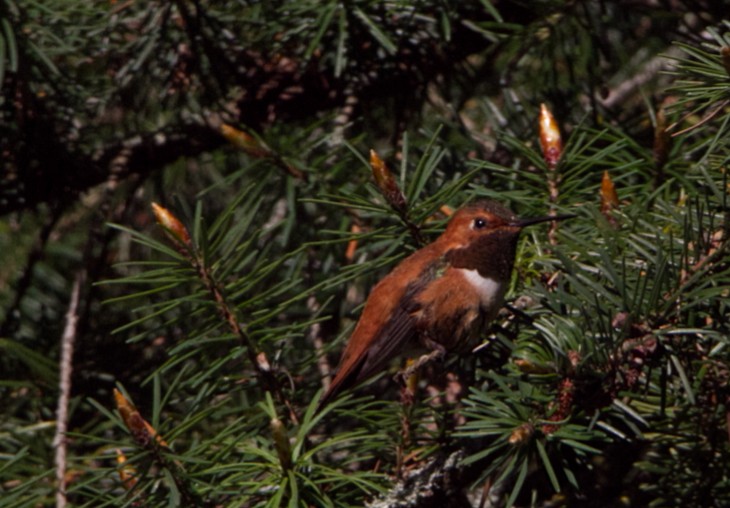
(662,140)
(127,473)
(172,224)
(521,434)
(550,140)
(530,367)
(609,198)
(245,142)
(281,442)
(387,184)
(352,244)
(142,432)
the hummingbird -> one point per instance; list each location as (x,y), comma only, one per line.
(440,297)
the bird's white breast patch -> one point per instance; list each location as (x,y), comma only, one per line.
(490,291)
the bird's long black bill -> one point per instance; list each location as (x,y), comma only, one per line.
(536,220)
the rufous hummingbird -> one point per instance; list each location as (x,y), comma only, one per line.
(441,296)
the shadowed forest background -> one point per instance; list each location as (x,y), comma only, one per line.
(174,355)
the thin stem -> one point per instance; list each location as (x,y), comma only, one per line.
(257,358)
(66,368)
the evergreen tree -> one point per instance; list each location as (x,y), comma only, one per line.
(192,219)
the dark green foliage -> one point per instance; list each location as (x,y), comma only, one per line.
(605,382)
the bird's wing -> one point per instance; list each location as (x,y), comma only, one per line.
(361,359)
(398,331)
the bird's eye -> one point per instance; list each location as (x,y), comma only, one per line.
(480,223)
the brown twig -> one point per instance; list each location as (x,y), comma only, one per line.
(712,113)
(183,242)
(66,368)
(147,437)
(650,70)
(257,358)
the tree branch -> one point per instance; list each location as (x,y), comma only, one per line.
(66,368)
